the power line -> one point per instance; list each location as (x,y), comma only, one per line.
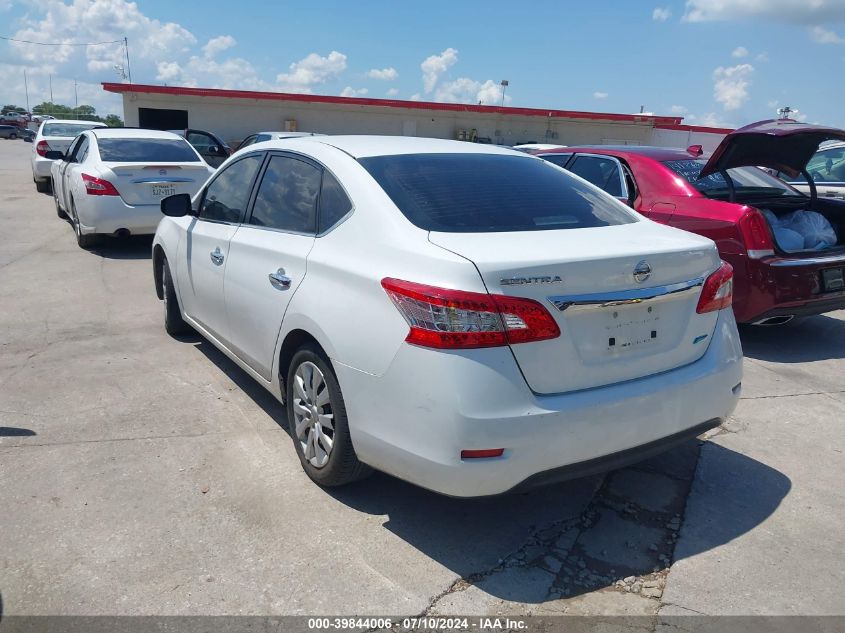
(12,39)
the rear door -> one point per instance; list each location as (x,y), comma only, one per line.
(605,172)
(268,257)
(206,247)
(212,150)
(71,170)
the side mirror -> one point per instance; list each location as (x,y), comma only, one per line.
(177,206)
(55,154)
(213,149)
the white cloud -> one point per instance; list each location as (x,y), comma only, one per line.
(435,65)
(168,72)
(710,119)
(349,91)
(311,71)
(38,87)
(661,14)
(762,57)
(393,92)
(218,45)
(416,97)
(466,90)
(678,109)
(791,11)
(385,74)
(825,36)
(773,103)
(730,85)
(740,52)
(599,95)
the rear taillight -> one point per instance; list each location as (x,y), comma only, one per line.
(756,234)
(718,291)
(42,148)
(452,319)
(98,186)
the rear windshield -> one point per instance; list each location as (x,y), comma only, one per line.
(146,150)
(70,130)
(746,180)
(481,193)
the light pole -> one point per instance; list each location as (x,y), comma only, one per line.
(503,84)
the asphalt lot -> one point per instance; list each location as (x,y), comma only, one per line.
(145,475)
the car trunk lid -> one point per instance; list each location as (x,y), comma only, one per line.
(780,144)
(613,327)
(149,183)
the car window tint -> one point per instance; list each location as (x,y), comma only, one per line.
(66,129)
(249,140)
(262,137)
(334,203)
(478,193)
(827,165)
(287,196)
(74,148)
(558,159)
(82,150)
(227,195)
(602,172)
(146,150)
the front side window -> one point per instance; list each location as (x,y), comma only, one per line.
(249,140)
(483,193)
(74,149)
(226,197)
(287,196)
(146,150)
(82,150)
(827,165)
(746,180)
(602,172)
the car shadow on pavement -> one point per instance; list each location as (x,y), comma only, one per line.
(132,247)
(13,431)
(813,338)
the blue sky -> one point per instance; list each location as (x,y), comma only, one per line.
(717,62)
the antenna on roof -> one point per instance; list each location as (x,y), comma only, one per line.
(785,111)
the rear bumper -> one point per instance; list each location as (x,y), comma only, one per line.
(108,214)
(41,168)
(414,420)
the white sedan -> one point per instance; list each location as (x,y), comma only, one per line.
(111,180)
(53,135)
(465,317)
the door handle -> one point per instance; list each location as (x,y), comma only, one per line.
(279,279)
(217,256)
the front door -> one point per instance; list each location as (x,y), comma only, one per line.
(268,257)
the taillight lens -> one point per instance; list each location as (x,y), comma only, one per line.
(718,291)
(98,186)
(42,148)
(455,319)
(756,234)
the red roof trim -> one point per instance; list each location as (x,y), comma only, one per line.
(693,128)
(387,103)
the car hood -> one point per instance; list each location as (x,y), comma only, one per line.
(780,144)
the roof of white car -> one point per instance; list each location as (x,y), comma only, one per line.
(364,145)
(125,132)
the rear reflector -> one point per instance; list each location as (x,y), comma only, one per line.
(455,319)
(42,148)
(718,290)
(482,453)
(98,186)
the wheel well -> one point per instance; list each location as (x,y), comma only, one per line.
(293,341)
(158,261)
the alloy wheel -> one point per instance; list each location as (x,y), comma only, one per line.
(312,412)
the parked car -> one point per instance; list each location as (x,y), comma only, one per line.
(260,137)
(27,135)
(685,190)
(213,150)
(826,168)
(10,131)
(530,147)
(465,317)
(54,135)
(111,180)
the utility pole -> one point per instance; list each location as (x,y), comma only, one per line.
(26,89)
(504,84)
(75,100)
(51,88)
(128,69)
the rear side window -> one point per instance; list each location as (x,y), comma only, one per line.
(481,193)
(287,196)
(66,129)
(334,203)
(602,172)
(146,150)
(227,195)
(557,159)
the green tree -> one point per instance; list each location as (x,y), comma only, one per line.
(86,110)
(112,120)
(12,108)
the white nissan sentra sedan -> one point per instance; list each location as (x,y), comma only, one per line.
(111,181)
(468,318)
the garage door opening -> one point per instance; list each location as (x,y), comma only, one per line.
(162,119)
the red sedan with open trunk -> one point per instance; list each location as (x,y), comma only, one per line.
(787,248)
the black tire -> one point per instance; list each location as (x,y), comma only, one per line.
(343,466)
(42,186)
(13,136)
(59,211)
(174,324)
(85,240)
